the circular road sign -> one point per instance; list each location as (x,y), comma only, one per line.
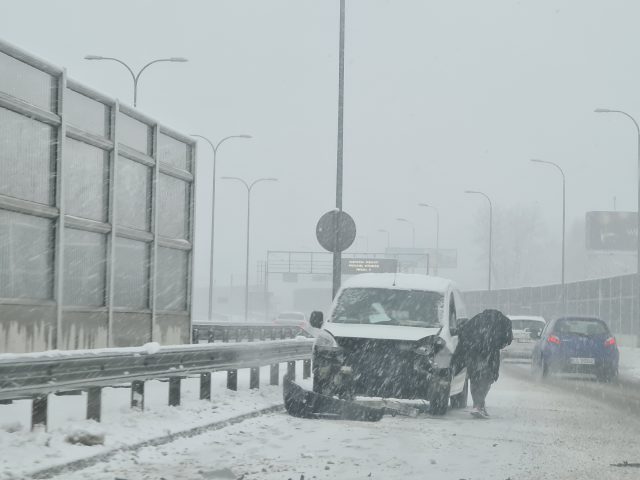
(336,231)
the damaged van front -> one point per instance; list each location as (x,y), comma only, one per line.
(392,336)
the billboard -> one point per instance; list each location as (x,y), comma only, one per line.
(611,231)
(353,266)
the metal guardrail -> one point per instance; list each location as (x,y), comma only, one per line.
(234,331)
(68,372)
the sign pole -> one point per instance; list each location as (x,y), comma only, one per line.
(337,254)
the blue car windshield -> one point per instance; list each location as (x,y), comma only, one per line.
(581,326)
(381,306)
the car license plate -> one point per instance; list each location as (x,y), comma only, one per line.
(582,361)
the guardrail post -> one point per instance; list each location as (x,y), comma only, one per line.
(137,395)
(282,337)
(291,370)
(238,335)
(262,334)
(39,411)
(94,403)
(250,334)
(211,336)
(254,377)
(306,368)
(205,386)
(174,391)
(273,334)
(195,335)
(225,335)
(232,380)
(275,374)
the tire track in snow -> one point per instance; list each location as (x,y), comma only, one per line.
(81,464)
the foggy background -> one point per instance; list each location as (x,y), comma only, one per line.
(440,97)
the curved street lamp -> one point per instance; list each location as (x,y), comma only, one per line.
(437,262)
(249,187)
(564,215)
(215,148)
(475,192)
(607,110)
(136,76)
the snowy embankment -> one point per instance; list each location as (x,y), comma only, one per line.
(24,451)
(536,432)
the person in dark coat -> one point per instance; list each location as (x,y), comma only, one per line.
(480,340)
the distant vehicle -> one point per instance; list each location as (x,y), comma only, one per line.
(522,344)
(291,318)
(576,345)
(392,336)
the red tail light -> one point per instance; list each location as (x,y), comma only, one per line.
(553,339)
(609,342)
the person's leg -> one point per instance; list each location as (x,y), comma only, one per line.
(479,390)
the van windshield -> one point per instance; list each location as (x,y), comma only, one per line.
(381,306)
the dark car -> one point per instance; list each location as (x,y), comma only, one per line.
(576,345)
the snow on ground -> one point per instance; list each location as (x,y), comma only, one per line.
(25,451)
(536,431)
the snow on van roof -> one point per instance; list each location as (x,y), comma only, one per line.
(400,281)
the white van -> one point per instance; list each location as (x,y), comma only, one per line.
(392,336)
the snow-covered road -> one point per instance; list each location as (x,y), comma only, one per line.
(537,431)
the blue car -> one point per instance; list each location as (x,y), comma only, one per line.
(576,345)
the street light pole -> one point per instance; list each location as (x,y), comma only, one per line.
(564,216)
(413,230)
(437,234)
(490,228)
(249,187)
(337,255)
(214,148)
(607,110)
(136,76)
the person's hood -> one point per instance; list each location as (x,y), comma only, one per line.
(379,332)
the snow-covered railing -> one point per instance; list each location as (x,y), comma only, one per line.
(36,375)
(236,331)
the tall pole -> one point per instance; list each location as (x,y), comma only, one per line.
(249,188)
(337,255)
(214,148)
(607,110)
(490,230)
(437,262)
(246,270)
(564,216)
(136,76)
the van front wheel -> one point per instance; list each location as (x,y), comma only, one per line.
(460,400)
(439,401)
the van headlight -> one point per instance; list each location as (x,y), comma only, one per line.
(430,346)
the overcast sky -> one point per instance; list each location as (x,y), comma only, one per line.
(440,97)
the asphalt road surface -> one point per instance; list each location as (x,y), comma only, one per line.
(559,429)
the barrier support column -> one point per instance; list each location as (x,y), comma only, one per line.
(94,403)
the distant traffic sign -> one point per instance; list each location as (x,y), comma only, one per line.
(336,225)
(353,266)
(612,231)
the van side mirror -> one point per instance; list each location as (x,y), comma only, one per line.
(316,319)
